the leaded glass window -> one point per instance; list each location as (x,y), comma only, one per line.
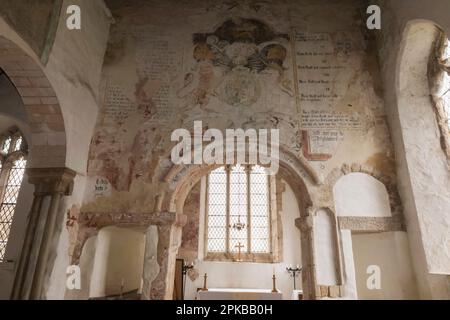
(238,210)
(12,169)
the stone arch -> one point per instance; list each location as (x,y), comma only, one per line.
(361,195)
(388,182)
(182,178)
(44,116)
(297,173)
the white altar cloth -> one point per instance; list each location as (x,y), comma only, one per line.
(296,294)
(238,294)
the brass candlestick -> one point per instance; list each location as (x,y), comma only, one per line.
(205,288)
(274,286)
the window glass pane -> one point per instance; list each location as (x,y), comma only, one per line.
(9,201)
(238,209)
(6,145)
(259,206)
(447,50)
(217,210)
(18,144)
(239,225)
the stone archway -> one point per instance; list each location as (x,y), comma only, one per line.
(48,138)
(300,177)
(395,222)
(46,167)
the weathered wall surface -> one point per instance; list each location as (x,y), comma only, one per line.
(261,65)
(191,232)
(307,68)
(41,15)
(422,167)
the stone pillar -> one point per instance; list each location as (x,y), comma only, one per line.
(163,241)
(309,278)
(51,184)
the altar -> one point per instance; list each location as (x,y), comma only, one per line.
(238,294)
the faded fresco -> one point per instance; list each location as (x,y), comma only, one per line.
(255,64)
(232,63)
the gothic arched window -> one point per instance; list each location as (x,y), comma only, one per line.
(238,218)
(13,160)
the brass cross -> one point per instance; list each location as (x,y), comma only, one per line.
(239,246)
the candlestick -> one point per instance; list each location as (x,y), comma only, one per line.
(274,286)
(186,267)
(294,272)
(205,288)
(122,285)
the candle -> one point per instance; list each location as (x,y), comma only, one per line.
(141,286)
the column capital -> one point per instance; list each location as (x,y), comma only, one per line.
(305,223)
(50,180)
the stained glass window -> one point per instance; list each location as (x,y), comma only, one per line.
(238,210)
(12,169)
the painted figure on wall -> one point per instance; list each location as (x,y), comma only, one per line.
(230,60)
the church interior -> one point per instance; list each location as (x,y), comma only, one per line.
(94,207)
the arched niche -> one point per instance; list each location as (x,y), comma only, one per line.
(361,195)
(118,261)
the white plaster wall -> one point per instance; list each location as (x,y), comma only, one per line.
(325,249)
(361,195)
(257,275)
(74,69)
(119,255)
(389,251)
(60,260)
(423,176)
(348,266)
